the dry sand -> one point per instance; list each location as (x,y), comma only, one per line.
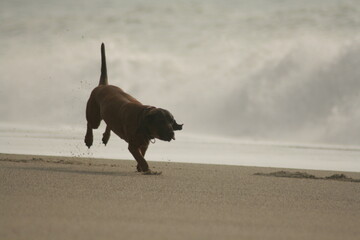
(73,198)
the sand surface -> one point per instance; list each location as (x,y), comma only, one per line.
(77,198)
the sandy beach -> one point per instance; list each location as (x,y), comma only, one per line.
(80,198)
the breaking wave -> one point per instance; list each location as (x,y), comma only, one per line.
(274,70)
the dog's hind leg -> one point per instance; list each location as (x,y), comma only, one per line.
(93,120)
(106,135)
(89,136)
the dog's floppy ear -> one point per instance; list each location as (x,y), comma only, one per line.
(147,118)
(150,115)
(176,126)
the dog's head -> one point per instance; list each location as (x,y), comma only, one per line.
(161,124)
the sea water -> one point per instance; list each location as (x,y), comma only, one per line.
(188,148)
(265,71)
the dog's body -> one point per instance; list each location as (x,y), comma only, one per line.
(132,121)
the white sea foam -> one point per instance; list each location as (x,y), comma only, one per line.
(264,70)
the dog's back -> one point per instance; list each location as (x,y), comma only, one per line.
(106,101)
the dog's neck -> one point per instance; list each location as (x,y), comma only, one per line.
(145,131)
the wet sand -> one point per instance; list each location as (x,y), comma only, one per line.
(80,198)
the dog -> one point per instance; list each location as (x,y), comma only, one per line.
(132,121)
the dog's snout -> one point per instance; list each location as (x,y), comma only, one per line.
(169,136)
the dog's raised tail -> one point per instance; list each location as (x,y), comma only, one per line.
(103,76)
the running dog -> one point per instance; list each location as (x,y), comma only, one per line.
(132,121)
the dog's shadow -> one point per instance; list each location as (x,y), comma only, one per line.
(78,171)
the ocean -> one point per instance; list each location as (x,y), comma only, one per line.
(245,77)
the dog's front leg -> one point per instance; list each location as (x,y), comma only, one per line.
(137,153)
(143,149)
(106,135)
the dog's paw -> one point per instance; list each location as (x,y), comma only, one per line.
(138,168)
(88,141)
(105,139)
(106,136)
(149,172)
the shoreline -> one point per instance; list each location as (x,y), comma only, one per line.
(95,161)
(189,149)
(46,197)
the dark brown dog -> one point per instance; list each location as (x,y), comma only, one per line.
(132,121)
